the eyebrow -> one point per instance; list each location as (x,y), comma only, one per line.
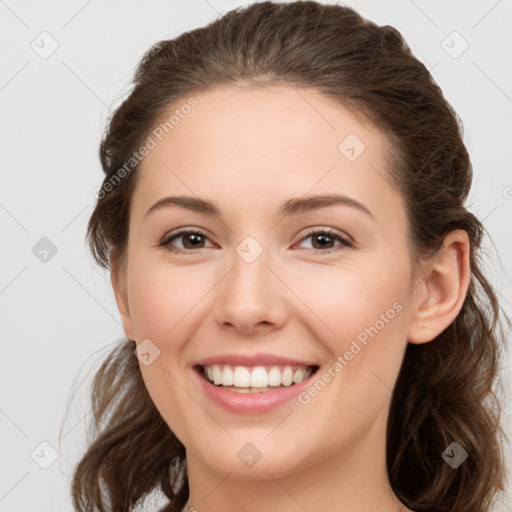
(290,207)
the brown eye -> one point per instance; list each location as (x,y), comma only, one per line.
(324,240)
(190,240)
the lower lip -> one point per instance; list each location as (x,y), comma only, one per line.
(251,402)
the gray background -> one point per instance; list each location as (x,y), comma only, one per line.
(59,316)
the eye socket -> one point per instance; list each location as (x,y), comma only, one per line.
(197,235)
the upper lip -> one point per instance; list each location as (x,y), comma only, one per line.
(261,359)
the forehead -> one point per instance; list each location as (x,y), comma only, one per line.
(257,146)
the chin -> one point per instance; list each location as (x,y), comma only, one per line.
(256,461)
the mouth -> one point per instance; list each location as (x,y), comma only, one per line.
(256,378)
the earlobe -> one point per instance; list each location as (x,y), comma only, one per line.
(440,296)
(118,280)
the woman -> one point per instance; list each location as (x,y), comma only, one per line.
(308,325)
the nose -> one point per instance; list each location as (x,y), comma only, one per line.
(251,299)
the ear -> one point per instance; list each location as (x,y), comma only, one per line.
(118,280)
(439,297)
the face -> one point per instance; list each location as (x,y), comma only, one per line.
(273,286)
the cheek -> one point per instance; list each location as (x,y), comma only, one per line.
(365,310)
(162,305)
(161,296)
(371,328)
(350,300)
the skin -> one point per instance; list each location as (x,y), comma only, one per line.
(248,149)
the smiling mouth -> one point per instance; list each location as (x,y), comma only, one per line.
(255,379)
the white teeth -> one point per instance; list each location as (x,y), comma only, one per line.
(274,376)
(241,377)
(287,376)
(259,377)
(243,390)
(248,379)
(298,376)
(217,377)
(227,376)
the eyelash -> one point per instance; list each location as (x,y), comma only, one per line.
(165,242)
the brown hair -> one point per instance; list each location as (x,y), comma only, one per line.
(445,389)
